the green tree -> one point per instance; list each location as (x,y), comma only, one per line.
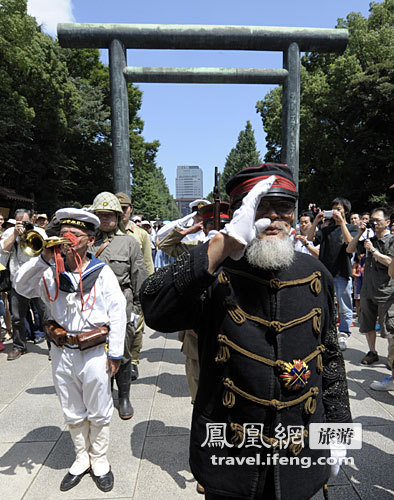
(55,130)
(169,209)
(243,155)
(150,193)
(33,95)
(16,115)
(346,145)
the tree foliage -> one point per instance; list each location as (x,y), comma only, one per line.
(150,192)
(55,129)
(347,111)
(243,155)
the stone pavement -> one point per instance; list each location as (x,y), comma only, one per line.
(149,453)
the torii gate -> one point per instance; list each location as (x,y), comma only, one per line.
(119,37)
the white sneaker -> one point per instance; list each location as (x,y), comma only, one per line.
(386,384)
(342,340)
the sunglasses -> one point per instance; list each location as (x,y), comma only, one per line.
(283,208)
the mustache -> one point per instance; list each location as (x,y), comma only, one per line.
(281,226)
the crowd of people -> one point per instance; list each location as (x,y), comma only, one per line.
(264,308)
(364,290)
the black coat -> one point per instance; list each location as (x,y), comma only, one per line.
(246,320)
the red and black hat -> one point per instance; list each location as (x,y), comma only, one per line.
(207,212)
(246,179)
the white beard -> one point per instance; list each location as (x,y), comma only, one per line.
(270,254)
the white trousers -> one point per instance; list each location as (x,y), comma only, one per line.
(82,384)
(91,445)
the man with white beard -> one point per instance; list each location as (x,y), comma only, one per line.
(269,358)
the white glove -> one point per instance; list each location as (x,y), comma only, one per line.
(210,235)
(242,227)
(134,319)
(339,454)
(261,225)
(175,223)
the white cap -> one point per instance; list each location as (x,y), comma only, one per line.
(11,221)
(77,217)
(146,223)
(195,203)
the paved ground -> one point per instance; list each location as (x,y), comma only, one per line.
(149,453)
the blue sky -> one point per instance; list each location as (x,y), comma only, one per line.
(199,124)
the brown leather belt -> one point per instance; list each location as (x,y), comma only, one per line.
(84,340)
(71,340)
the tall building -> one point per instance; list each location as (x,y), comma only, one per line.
(189,186)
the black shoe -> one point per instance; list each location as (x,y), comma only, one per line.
(104,482)
(134,372)
(71,480)
(200,489)
(370,358)
(15,354)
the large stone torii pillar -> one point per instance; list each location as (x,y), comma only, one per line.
(119,37)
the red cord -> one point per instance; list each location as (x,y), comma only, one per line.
(78,261)
(59,264)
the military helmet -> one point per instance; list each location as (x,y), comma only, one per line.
(106,202)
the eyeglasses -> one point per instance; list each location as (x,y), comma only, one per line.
(283,208)
(77,235)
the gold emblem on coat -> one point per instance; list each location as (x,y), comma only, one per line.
(295,375)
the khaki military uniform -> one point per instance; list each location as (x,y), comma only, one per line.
(172,245)
(124,257)
(143,239)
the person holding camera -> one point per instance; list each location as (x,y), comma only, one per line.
(377,286)
(333,240)
(301,243)
(9,246)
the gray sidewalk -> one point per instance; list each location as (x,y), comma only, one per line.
(149,453)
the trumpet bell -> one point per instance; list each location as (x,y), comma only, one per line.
(32,243)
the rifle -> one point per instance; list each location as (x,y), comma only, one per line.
(216,200)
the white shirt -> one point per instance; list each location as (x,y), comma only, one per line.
(367,234)
(109,306)
(15,255)
(299,247)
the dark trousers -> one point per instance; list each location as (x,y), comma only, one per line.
(265,489)
(19,308)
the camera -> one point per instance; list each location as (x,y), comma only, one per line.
(328,214)
(369,225)
(313,208)
(28,225)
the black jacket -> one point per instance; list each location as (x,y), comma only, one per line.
(248,319)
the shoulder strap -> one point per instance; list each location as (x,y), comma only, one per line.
(101,249)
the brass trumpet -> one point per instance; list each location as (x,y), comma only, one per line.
(32,243)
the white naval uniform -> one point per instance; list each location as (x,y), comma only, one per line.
(80,377)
